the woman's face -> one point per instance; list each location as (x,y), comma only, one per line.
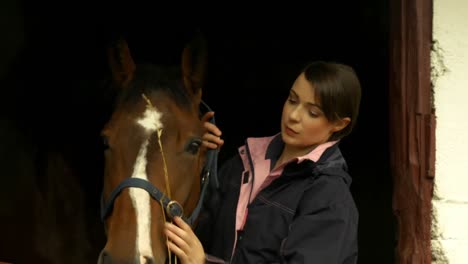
(303,124)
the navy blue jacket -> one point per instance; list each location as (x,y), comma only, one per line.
(307,215)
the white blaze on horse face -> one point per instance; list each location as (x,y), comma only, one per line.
(151,122)
(151,119)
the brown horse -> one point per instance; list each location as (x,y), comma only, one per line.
(155,166)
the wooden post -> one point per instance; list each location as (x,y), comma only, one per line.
(412,127)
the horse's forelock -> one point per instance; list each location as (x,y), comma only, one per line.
(150,78)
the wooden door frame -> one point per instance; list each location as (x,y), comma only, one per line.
(412,127)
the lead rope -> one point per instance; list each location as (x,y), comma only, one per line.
(166,176)
(168,190)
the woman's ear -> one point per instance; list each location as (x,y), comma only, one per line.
(340,124)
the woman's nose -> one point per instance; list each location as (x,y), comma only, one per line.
(295,114)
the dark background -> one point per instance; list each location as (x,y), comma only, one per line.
(53,59)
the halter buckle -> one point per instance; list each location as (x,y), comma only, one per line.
(174,209)
(205,177)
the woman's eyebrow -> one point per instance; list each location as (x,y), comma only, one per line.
(308,103)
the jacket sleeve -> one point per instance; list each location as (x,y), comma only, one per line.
(325,227)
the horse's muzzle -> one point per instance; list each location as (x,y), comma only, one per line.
(106,258)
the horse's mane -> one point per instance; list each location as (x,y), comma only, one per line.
(149,78)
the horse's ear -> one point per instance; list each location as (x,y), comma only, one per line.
(194,61)
(121,62)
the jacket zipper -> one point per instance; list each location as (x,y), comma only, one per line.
(247,150)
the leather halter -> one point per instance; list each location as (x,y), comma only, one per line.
(172,207)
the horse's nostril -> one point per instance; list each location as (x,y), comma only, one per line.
(104,258)
(148,260)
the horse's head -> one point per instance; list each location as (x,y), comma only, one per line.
(153,160)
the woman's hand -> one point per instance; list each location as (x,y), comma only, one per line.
(184,243)
(212,137)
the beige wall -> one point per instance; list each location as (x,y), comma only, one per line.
(450,78)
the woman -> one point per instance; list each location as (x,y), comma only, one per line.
(284,198)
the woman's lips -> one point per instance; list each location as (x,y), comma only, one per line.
(290,132)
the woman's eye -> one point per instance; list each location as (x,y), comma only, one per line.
(193,146)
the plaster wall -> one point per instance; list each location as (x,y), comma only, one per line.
(450,79)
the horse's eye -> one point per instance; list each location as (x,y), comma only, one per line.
(193,146)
